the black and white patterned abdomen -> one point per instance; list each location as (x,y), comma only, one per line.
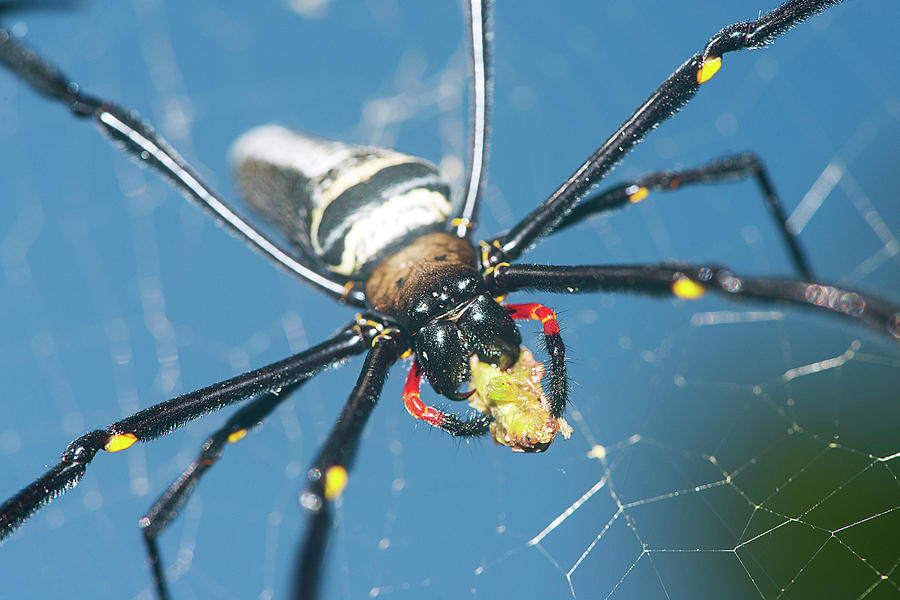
(341,205)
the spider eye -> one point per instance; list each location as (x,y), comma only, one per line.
(444,294)
(469,284)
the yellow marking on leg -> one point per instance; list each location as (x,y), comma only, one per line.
(490,270)
(120,441)
(335,481)
(484,251)
(386,333)
(486,248)
(687,289)
(638,195)
(364,322)
(236,435)
(709,68)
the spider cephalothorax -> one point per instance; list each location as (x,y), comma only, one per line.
(433,290)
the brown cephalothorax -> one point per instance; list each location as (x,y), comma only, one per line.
(403,277)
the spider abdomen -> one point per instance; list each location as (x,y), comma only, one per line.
(343,206)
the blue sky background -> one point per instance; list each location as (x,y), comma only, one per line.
(115,294)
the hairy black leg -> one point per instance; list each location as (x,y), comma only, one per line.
(556,350)
(328,473)
(668,98)
(692,281)
(165,417)
(728,168)
(169,504)
(478,16)
(138,139)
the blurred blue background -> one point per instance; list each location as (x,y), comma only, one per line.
(722,476)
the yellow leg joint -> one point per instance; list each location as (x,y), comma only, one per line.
(486,248)
(709,68)
(120,441)
(464,222)
(687,289)
(237,435)
(335,481)
(638,194)
(386,334)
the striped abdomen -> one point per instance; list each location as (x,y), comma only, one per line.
(343,206)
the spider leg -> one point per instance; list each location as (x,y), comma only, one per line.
(136,137)
(692,281)
(169,504)
(555,348)
(328,473)
(165,417)
(471,427)
(478,19)
(728,168)
(668,98)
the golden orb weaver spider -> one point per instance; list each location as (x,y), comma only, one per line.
(602,394)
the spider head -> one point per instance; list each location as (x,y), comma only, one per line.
(468,323)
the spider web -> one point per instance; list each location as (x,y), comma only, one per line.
(745,451)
